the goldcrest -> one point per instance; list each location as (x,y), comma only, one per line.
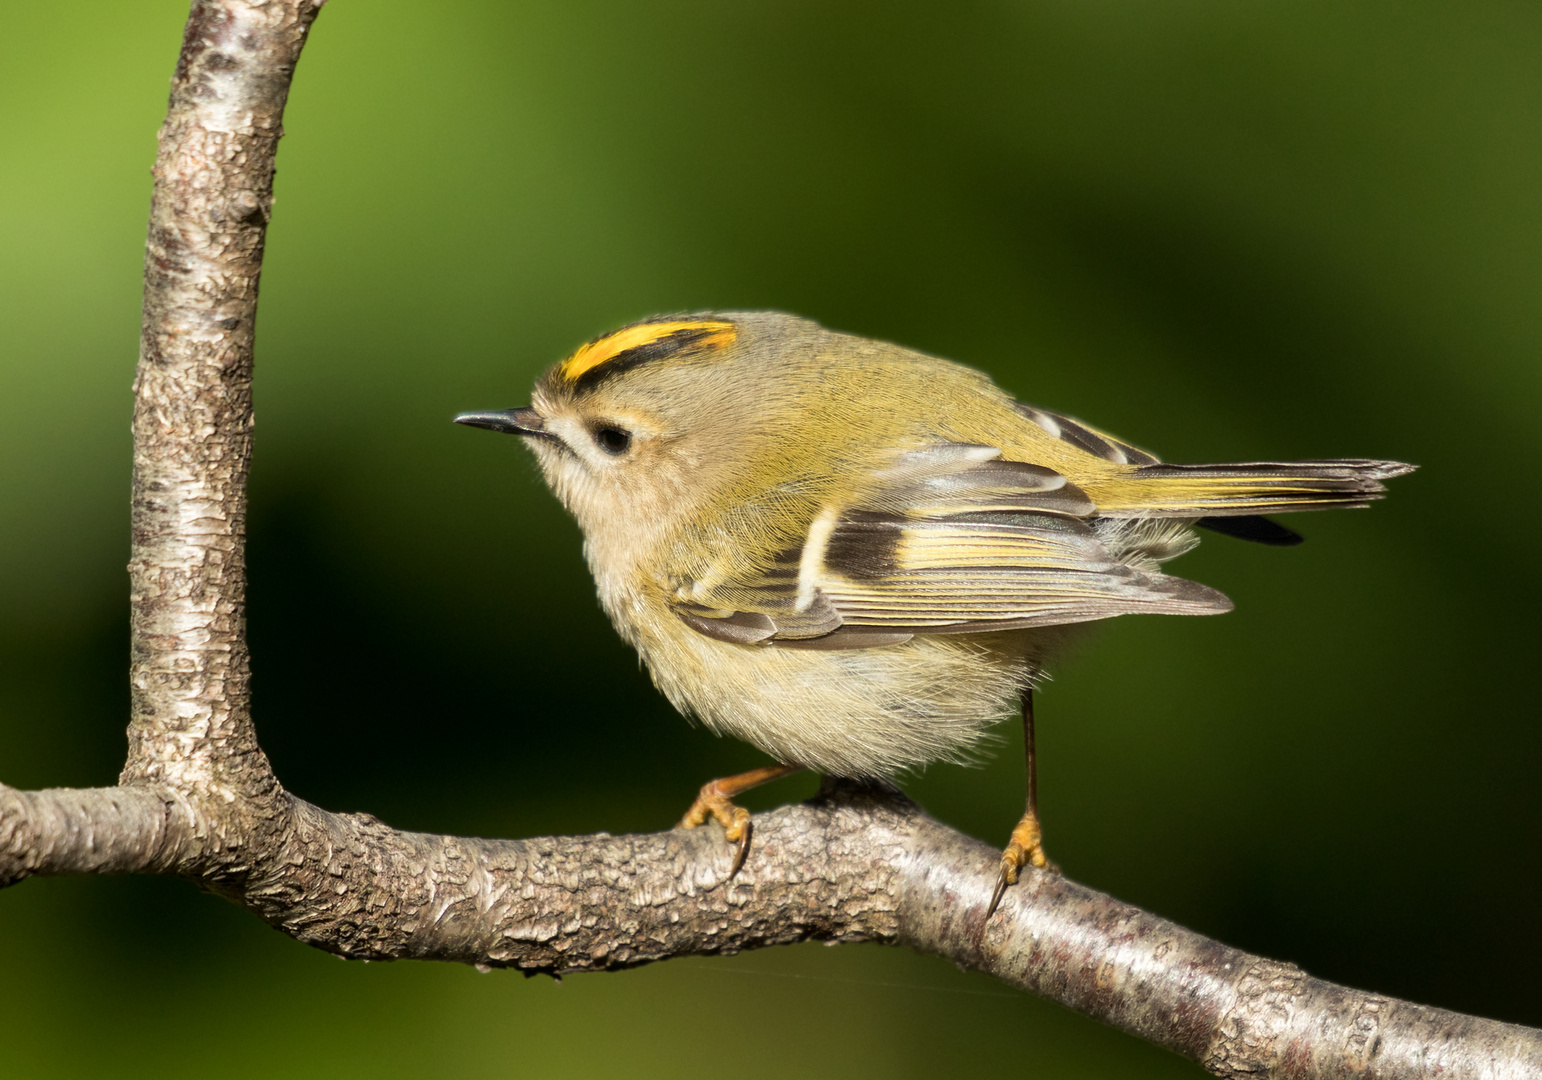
(858,557)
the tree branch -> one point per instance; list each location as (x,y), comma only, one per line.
(191,720)
(856,864)
(198,798)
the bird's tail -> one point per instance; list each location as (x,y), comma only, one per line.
(1243,490)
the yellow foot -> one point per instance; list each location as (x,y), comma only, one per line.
(1026,848)
(713,803)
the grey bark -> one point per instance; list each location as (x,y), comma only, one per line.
(198,799)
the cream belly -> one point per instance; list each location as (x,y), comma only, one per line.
(868,713)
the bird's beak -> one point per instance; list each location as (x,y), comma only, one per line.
(509,421)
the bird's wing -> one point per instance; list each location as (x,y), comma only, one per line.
(945,539)
(1086,438)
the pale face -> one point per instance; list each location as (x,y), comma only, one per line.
(637,430)
(597,454)
(625,469)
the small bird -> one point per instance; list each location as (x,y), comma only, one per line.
(858,557)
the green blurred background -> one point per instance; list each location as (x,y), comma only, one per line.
(1226,231)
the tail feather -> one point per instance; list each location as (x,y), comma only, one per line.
(1245,489)
(1254,527)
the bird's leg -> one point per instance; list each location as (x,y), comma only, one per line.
(715,802)
(1026,848)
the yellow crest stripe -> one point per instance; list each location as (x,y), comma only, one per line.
(687,336)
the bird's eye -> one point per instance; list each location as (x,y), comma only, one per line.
(613,440)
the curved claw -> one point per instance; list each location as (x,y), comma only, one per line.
(715,802)
(741,846)
(712,804)
(1005,878)
(1026,848)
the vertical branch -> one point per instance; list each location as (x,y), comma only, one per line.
(190,724)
